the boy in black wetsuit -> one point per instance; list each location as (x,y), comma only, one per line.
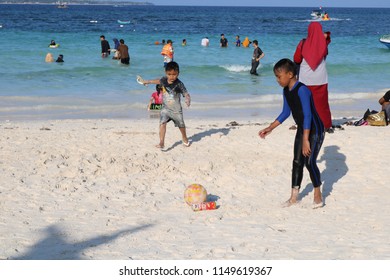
(310,132)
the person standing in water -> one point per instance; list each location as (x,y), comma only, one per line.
(105,46)
(123,50)
(167,52)
(257,55)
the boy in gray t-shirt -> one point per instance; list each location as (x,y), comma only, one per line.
(172,90)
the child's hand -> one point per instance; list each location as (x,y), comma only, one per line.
(142,81)
(264,132)
(306,151)
(188,100)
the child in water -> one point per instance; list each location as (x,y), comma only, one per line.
(156,99)
(310,133)
(49,58)
(60,58)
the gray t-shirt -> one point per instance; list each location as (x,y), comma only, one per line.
(257,52)
(171,94)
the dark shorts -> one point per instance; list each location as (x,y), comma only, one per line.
(125,60)
(176,117)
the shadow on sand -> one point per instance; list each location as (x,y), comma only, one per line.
(54,245)
(335,169)
(199,136)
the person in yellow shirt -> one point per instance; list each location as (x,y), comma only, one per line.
(246,42)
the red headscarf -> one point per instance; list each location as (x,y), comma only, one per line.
(315,48)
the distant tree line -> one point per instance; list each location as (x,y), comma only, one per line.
(75,2)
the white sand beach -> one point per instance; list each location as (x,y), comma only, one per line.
(100,190)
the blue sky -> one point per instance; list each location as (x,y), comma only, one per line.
(283,3)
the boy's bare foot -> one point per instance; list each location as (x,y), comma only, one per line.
(187,144)
(293,199)
(289,203)
(318,205)
(160,146)
(317,201)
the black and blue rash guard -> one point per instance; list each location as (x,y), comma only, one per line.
(299,102)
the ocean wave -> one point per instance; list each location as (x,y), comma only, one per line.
(236,68)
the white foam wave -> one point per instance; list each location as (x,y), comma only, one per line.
(236,68)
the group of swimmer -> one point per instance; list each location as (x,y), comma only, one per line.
(49,56)
(121,50)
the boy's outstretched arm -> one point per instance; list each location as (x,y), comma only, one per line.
(264,132)
(156,82)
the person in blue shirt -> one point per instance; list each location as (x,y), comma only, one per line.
(116,43)
(297,99)
(238,41)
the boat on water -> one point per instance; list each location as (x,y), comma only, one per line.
(62,5)
(385,40)
(316,13)
(319,14)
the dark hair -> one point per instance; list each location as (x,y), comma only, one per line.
(222,34)
(286,65)
(255,42)
(102,36)
(172,66)
(122,41)
(169,41)
(158,88)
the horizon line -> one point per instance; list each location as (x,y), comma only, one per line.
(181,5)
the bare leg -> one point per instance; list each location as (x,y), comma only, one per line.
(163,130)
(293,198)
(184,136)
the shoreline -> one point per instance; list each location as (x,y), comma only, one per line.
(203,107)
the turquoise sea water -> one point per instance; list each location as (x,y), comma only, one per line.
(87,86)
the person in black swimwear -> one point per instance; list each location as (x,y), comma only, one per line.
(257,55)
(223,41)
(60,58)
(105,46)
(310,132)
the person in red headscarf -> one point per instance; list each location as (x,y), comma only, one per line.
(311,54)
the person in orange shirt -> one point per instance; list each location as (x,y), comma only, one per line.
(167,52)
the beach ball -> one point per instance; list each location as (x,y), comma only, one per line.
(194,194)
